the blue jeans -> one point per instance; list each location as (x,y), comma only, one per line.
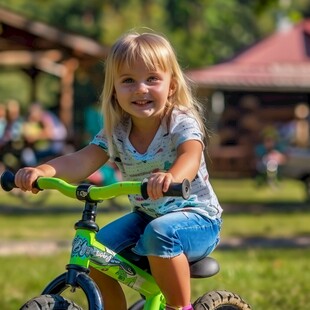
(166,236)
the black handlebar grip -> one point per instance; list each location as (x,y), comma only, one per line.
(7,180)
(175,189)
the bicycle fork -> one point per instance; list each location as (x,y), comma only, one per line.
(77,277)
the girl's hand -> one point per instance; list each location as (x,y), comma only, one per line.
(25,178)
(158,183)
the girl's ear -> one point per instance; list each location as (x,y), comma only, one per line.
(173,88)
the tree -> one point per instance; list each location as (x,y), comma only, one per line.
(203,32)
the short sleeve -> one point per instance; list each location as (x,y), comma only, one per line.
(185,127)
(100,140)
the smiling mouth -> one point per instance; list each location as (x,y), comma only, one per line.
(142,102)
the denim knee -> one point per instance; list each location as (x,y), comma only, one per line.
(179,232)
(158,237)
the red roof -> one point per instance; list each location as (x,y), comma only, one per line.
(281,61)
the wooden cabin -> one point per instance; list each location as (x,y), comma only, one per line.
(262,86)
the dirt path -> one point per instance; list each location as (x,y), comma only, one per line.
(29,247)
(46,248)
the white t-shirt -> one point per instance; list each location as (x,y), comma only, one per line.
(160,156)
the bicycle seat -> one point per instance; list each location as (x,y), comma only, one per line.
(204,268)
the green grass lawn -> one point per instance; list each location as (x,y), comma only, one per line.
(239,191)
(267,278)
(246,191)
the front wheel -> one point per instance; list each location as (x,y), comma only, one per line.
(221,300)
(139,305)
(52,297)
(50,302)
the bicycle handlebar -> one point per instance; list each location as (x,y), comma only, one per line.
(96,193)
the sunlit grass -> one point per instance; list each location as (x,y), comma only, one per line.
(61,226)
(246,191)
(267,279)
(242,191)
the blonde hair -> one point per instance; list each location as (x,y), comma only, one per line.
(156,52)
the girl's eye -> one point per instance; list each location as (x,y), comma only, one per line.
(153,78)
(128,80)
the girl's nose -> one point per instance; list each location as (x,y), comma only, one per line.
(141,88)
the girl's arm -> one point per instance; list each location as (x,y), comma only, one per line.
(73,167)
(187,162)
(185,166)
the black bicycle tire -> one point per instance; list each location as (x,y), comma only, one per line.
(59,285)
(221,300)
(51,302)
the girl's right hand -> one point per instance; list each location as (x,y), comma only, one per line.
(25,178)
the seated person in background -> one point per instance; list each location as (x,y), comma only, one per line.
(44,132)
(11,140)
(270,156)
(14,123)
(3,120)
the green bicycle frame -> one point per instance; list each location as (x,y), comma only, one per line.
(87,251)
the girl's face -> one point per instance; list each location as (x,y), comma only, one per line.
(142,92)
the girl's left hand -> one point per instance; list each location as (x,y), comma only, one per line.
(158,183)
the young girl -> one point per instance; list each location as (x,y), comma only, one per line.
(153,130)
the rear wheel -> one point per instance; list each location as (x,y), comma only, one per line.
(49,302)
(221,300)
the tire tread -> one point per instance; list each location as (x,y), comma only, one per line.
(217,300)
(50,302)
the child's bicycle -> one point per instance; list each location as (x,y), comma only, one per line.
(87,251)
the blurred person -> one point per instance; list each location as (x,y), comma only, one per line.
(296,132)
(12,137)
(3,121)
(14,122)
(44,132)
(270,157)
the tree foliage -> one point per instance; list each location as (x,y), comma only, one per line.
(203,32)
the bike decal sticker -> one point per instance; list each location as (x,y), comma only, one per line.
(81,248)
